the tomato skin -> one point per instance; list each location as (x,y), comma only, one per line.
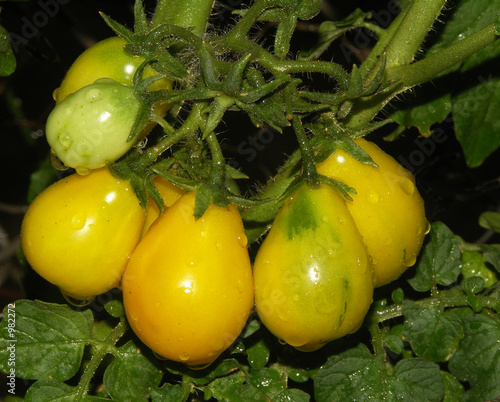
(105,59)
(79,232)
(313,281)
(169,192)
(90,128)
(387,208)
(188,287)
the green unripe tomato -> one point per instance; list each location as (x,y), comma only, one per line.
(90,127)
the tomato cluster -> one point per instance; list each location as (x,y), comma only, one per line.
(188,284)
(316,270)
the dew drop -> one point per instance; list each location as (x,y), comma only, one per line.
(373,197)
(296,298)
(76,302)
(65,139)
(184,357)
(410,260)
(281,341)
(407,185)
(198,366)
(55,94)
(82,171)
(427,227)
(94,95)
(78,221)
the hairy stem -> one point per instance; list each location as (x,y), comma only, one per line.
(193,14)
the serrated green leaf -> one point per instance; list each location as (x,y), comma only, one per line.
(168,392)
(225,367)
(7,59)
(233,388)
(440,262)
(131,375)
(272,381)
(115,308)
(490,220)
(355,375)
(258,354)
(416,380)
(473,285)
(423,115)
(351,375)
(48,339)
(118,28)
(477,127)
(453,389)
(433,334)
(477,360)
(54,391)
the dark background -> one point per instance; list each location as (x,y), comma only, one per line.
(453,193)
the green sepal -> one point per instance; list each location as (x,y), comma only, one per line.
(118,28)
(154,193)
(140,20)
(232,82)
(356,84)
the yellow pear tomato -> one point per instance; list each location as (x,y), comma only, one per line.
(188,287)
(79,232)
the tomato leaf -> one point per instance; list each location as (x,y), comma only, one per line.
(48,339)
(433,334)
(258,354)
(7,59)
(480,346)
(453,389)
(272,381)
(131,375)
(440,261)
(490,220)
(355,375)
(52,390)
(234,388)
(168,392)
(475,112)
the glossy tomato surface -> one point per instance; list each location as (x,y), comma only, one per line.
(312,276)
(387,208)
(105,59)
(91,127)
(79,232)
(188,288)
(169,192)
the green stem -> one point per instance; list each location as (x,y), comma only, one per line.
(411,32)
(102,348)
(426,69)
(409,76)
(308,167)
(217,174)
(396,310)
(192,14)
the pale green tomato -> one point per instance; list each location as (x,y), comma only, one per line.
(90,128)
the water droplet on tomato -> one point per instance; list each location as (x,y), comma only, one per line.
(82,171)
(407,185)
(78,221)
(93,95)
(55,94)
(410,260)
(296,298)
(184,357)
(373,197)
(427,227)
(77,302)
